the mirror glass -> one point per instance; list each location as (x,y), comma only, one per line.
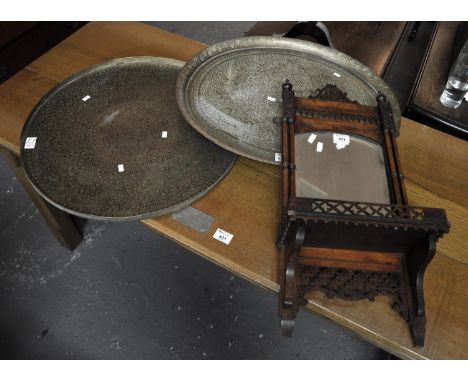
(341,167)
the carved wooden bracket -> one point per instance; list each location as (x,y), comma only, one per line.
(331,93)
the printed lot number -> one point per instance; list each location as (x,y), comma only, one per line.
(223,236)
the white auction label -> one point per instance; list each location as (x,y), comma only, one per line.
(223,236)
(164,134)
(277,157)
(340,140)
(120,167)
(85,98)
(30,142)
(311,138)
(272,99)
(319,147)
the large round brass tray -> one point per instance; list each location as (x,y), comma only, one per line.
(110,143)
(231,92)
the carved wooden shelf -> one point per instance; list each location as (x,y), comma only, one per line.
(344,248)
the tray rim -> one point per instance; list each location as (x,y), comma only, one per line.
(242,44)
(78,75)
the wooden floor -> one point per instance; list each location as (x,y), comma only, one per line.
(246,203)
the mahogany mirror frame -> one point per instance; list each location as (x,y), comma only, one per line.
(352,249)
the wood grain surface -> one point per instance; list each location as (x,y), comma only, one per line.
(436,161)
(18,96)
(247,202)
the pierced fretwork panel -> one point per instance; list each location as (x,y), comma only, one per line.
(366,209)
(353,284)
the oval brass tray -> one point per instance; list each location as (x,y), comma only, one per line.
(231,92)
(110,143)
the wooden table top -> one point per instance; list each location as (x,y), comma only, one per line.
(247,202)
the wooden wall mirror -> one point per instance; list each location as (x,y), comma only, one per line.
(347,229)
